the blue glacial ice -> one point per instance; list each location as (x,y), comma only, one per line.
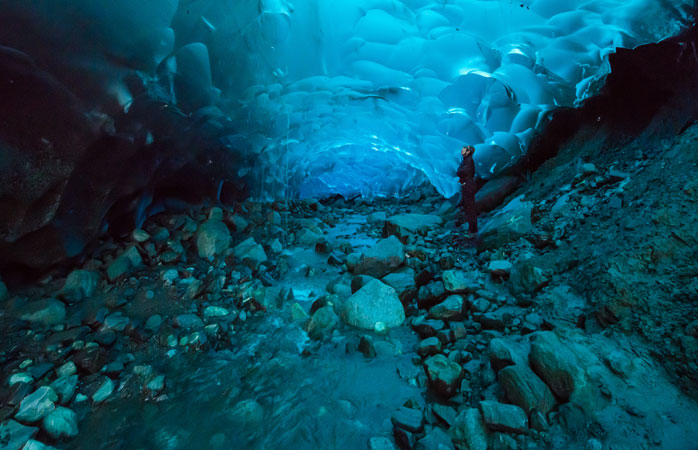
(351,96)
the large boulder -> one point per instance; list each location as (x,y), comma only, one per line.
(526,277)
(493,193)
(213,238)
(375,302)
(509,224)
(381,259)
(557,365)
(523,388)
(404,224)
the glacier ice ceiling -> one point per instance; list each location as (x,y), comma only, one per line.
(344,96)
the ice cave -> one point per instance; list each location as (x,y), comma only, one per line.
(348,224)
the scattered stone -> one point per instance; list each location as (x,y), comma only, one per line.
(375,302)
(523,388)
(501,355)
(213,238)
(20,377)
(469,430)
(525,277)
(79,285)
(404,224)
(104,391)
(435,439)
(381,443)
(46,312)
(450,309)
(215,312)
(156,384)
(61,423)
(444,375)
(154,322)
(322,323)
(37,405)
(430,294)
(381,259)
(129,261)
(499,268)
(427,327)
(376,217)
(403,283)
(429,347)
(408,419)
(140,236)
(239,223)
(250,253)
(512,222)
(14,435)
(459,282)
(445,413)
(64,387)
(188,321)
(502,417)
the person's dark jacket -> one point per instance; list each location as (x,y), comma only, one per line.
(466,171)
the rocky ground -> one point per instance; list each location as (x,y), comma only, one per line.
(569,322)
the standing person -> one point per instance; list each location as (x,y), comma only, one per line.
(466,176)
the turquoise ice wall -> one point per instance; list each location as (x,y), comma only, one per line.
(345,96)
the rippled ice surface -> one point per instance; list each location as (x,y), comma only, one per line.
(329,399)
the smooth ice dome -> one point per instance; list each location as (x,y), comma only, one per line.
(347,96)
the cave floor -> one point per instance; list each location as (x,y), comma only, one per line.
(568,322)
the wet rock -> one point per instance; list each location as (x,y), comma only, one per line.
(46,312)
(213,238)
(250,253)
(373,303)
(404,224)
(64,387)
(308,238)
(79,285)
(140,236)
(469,430)
(427,327)
(450,309)
(37,405)
(188,321)
(212,312)
(322,322)
(501,441)
(403,283)
(381,443)
(494,191)
(154,322)
(36,445)
(360,281)
(408,419)
(501,354)
(557,365)
(381,259)
(499,268)
(445,413)
(523,388)
(459,282)
(239,223)
(14,435)
(502,417)
(444,375)
(376,217)
(156,384)
(429,347)
(103,391)
(512,222)
(430,294)
(61,423)
(90,359)
(129,261)
(525,277)
(367,347)
(435,439)
(247,413)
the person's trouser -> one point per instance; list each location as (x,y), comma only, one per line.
(468,204)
